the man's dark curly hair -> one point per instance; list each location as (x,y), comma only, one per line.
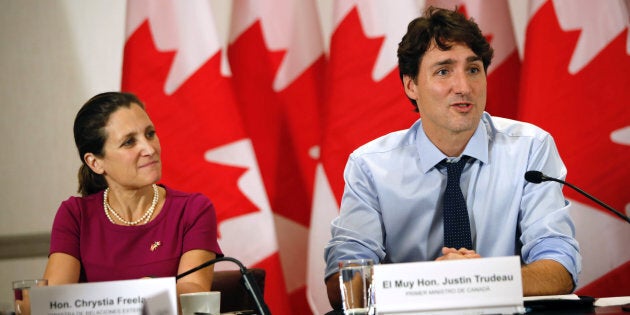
(444,27)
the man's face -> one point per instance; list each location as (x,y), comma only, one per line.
(450,90)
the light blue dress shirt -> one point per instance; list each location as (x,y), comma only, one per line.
(391,209)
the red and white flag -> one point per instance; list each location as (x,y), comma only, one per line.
(276,54)
(364,96)
(575,85)
(494,20)
(364,99)
(173,62)
(266,132)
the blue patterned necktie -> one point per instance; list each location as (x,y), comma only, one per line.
(455,214)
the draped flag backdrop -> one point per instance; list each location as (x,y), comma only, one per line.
(263,122)
(574,84)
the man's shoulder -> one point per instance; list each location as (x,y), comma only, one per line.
(505,127)
(389,142)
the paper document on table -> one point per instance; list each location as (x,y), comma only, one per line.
(551,297)
(612,301)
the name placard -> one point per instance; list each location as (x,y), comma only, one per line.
(468,286)
(110,297)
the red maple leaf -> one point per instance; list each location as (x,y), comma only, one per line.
(283,125)
(199,116)
(581,110)
(358,109)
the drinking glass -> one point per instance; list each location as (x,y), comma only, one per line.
(355,280)
(21,293)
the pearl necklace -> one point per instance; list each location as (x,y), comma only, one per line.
(144,219)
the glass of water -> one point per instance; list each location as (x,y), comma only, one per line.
(355,280)
(21,293)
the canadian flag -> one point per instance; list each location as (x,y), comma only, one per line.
(575,85)
(364,99)
(276,54)
(173,61)
(263,122)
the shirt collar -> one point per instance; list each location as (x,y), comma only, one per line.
(477,146)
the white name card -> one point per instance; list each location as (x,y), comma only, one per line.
(468,286)
(110,297)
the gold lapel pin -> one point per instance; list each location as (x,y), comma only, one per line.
(155,245)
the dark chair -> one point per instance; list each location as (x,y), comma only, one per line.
(234,296)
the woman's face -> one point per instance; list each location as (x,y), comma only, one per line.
(131,156)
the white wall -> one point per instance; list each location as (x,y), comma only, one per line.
(54,56)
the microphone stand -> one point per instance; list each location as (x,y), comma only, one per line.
(248,281)
(544,178)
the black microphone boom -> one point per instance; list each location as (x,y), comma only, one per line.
(537,177)
(248,281)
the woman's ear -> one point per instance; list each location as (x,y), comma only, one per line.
(94,163)
(410,87)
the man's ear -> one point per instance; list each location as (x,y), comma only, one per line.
(94,163)
(410,87)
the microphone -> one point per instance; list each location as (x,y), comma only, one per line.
(537,177)
(247,278)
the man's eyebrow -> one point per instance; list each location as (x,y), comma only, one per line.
(451,61)
(473,58)
(448,61)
